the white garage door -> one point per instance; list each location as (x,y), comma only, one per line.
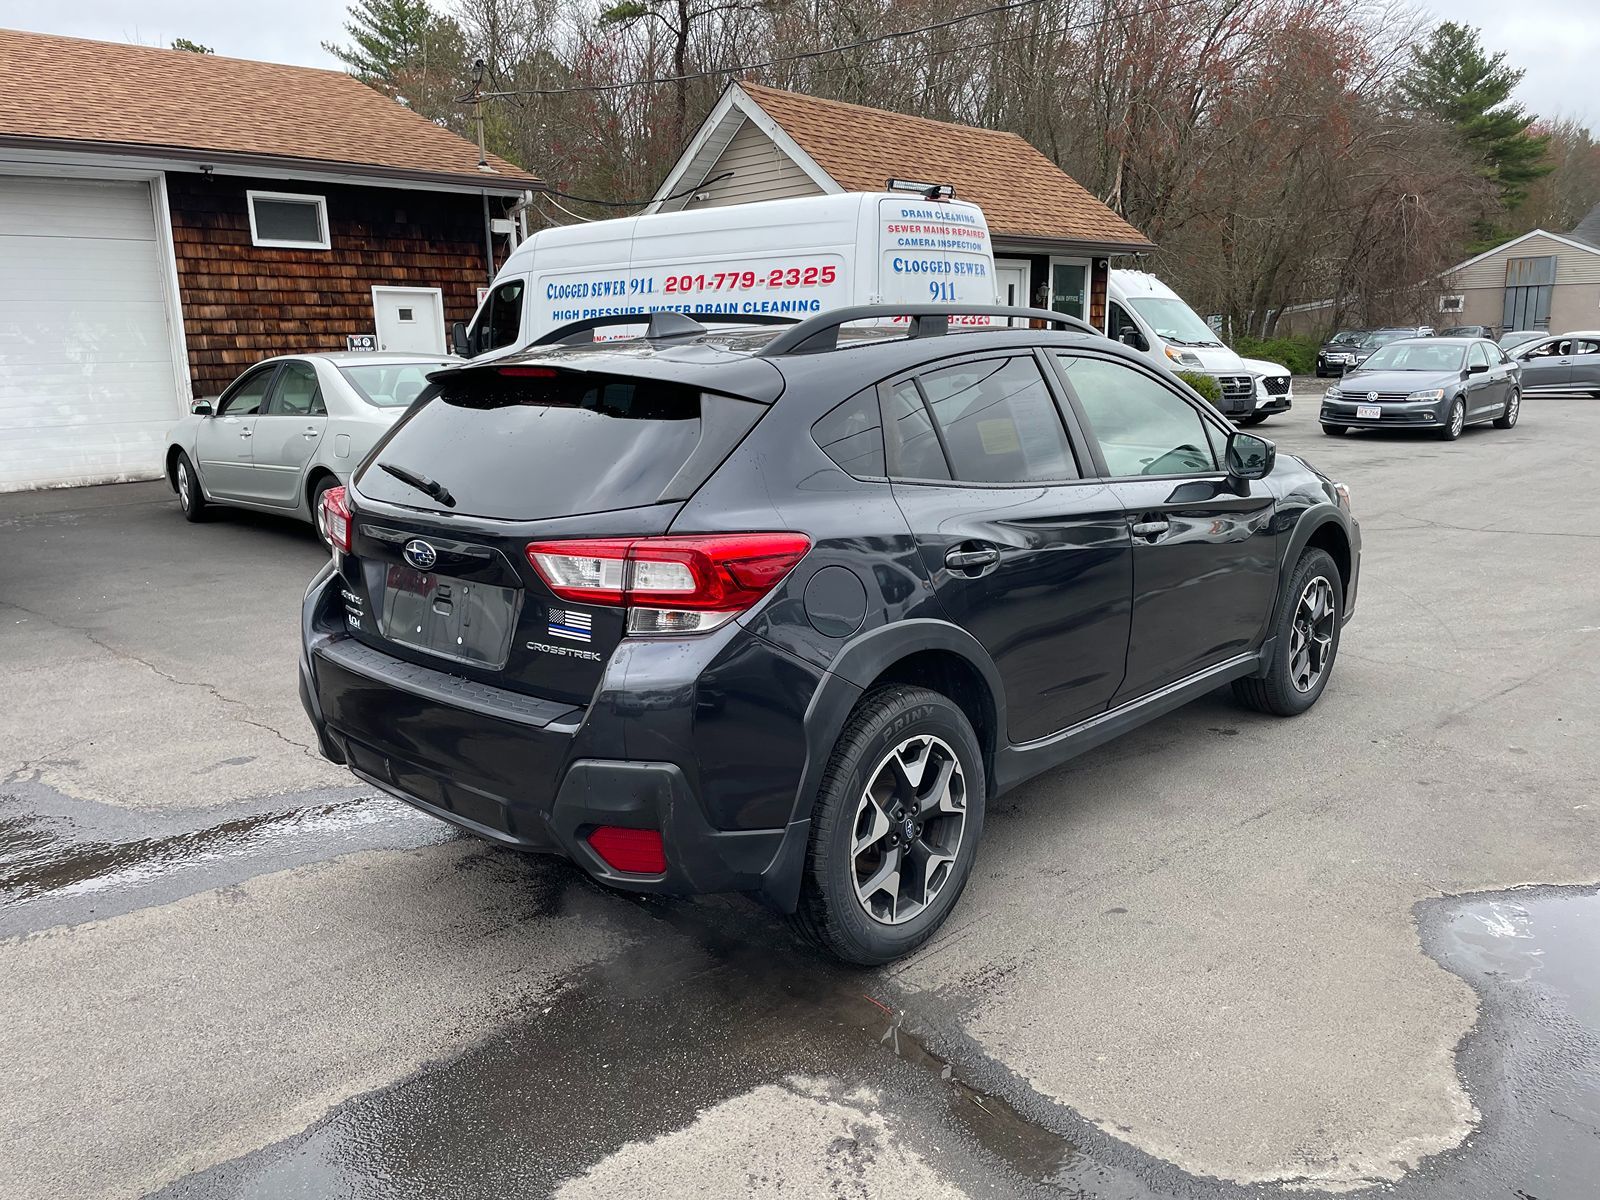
(87,390)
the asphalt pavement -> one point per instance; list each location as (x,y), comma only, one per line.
(1227,955)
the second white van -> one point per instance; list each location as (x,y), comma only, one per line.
(1144,313)
(785,258)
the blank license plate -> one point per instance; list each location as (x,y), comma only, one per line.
(1368,412)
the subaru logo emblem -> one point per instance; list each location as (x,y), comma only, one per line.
(1372,396)
(420,554)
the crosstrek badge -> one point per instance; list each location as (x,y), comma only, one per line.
(571,624)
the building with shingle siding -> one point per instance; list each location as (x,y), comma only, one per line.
(1052,238)
(168,218)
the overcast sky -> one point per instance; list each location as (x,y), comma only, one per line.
(1557,42)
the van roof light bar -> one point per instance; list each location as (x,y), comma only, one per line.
(820,334)
(928,191)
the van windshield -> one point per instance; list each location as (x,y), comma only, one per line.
(1174,321)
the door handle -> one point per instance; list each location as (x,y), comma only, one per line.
(966,560)
(1150,529)
(244,433)
(311,431)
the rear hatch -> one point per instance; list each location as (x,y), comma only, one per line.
(497,458)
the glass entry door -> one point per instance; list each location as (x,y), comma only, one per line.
(1069,288)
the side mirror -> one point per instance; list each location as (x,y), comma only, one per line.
(1249,456)
(1130,336)
(458,339)
(202,408)
(1477,368)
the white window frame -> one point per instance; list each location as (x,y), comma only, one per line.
(250,198)
(1452,304)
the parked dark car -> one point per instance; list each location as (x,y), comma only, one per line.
(1336,353)
(1374,340)
(782,611)
(1438,384)
(1468,331)
(1564,365)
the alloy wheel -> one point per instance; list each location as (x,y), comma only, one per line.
(1458,418)
(184,498)
(908,829)
(1512,407)
(1311,635)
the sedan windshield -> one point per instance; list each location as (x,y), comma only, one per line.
(1348,337)
(1517,337)
(390,385)
(1174,321)
(1416,356)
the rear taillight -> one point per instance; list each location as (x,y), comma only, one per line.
(670,585)
(637,851)
(335,518)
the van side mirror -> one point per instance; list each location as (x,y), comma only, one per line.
(1249,456)
(458,339)
(1131,337)
(202,408)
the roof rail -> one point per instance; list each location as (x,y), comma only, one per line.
(662,324)
(820,334)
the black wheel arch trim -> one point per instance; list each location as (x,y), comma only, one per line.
(1315,518)
(851,673)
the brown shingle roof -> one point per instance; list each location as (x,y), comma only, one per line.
(61,89)
(1022,192)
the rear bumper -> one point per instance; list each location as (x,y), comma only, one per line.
(512,769)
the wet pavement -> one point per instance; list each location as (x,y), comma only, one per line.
(1225,957)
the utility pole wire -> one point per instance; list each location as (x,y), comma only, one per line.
(807,55)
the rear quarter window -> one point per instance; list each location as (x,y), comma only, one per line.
(852,435)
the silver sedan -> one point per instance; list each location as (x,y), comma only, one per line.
(290,428)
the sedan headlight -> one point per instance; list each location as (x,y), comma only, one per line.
(1428,394)
(1332,393)
(1182,357)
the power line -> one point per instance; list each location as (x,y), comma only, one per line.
(807,55)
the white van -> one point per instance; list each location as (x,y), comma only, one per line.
(789,258)
(1144,313)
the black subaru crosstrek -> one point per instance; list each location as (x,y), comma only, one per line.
(782,609)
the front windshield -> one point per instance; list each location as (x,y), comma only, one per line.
(1348,337)
(390,385)
(1174,321)
(1517,338)
(1416,356)
(1374,340)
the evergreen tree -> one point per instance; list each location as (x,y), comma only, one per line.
(1454,80)
(393,41)
(191,47)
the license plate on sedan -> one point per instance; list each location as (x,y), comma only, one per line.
(1368,412)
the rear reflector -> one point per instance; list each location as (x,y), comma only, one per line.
(528,372)
(334,518)
(636,851)
(716,573)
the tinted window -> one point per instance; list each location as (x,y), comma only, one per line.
(1416,356)
(852,436)
(1585,346)
(913,447)
(1476,356)
(1118,321)
(247,395)
(1141,427)
(391,385)
(527,447)
(999,422)
(501,322)
(297,394)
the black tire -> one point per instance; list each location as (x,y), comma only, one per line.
(1334,430)
(323,484)
(1253,419)
(191,500)
(831,914)
(1277,692)
(1508,419)
(1455,422)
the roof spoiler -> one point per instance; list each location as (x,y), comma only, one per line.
(820,334)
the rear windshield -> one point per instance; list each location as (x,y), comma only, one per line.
(528,447)
(391,385)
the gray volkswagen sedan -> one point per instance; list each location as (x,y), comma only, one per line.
(1437,384)
(290,428)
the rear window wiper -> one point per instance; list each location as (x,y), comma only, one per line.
(422,483)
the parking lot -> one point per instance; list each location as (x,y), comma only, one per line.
(1225,952)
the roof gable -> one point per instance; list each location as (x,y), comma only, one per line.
(1517,241)
(105,94)
(1022,193)
(1587,230)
